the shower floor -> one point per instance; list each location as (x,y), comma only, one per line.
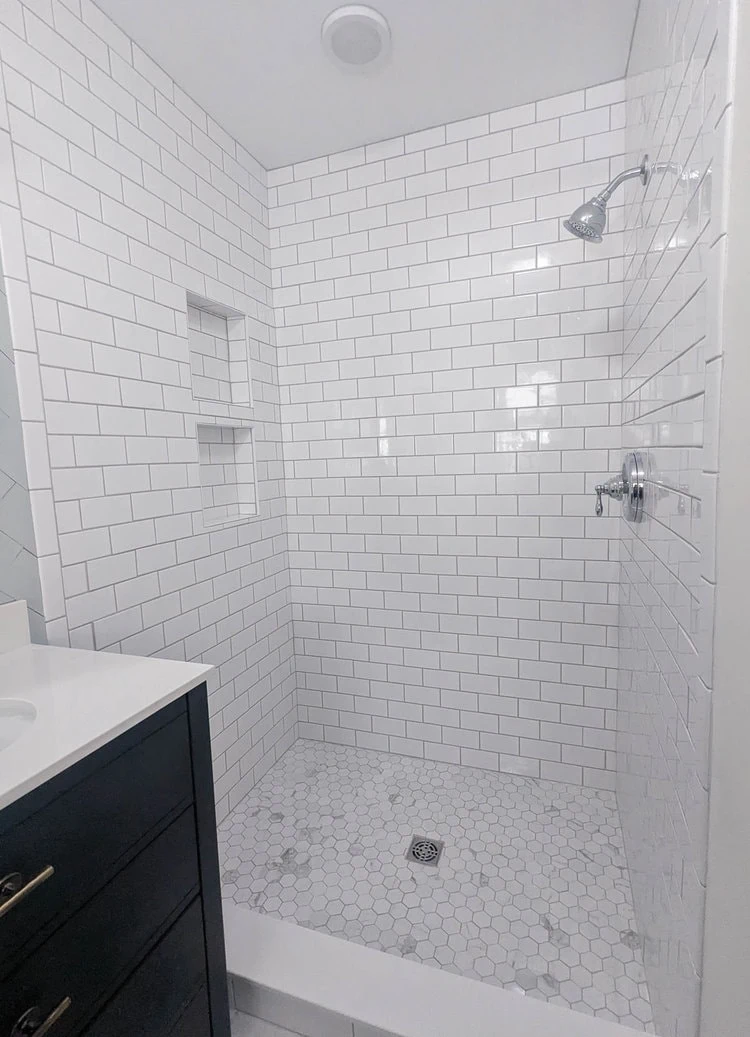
(531,893)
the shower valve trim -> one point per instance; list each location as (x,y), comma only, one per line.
(627,487)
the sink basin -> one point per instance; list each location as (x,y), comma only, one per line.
(15,718)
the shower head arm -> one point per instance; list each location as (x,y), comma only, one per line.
(589,220)
(643,171)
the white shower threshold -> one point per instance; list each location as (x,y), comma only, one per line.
(297,977)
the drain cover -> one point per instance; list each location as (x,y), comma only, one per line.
(424,851)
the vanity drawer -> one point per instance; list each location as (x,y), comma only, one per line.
(91,955)
(163,987)
(91,828)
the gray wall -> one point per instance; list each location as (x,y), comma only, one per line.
(19,572)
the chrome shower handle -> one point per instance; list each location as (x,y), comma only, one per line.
(616,487)
(628,486)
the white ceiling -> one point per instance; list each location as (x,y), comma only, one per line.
(258,67)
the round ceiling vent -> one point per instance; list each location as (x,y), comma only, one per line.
(357,38)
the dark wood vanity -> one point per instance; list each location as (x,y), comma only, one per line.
(110,909)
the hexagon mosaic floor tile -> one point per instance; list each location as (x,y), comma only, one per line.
(531,891)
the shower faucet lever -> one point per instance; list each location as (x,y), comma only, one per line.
(628,487)
(615,487)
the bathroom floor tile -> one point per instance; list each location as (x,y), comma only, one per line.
(531,892)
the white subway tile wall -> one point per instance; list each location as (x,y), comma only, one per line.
(450,362)
(679,110)
(126,197)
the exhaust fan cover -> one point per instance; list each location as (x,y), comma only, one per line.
(356,38)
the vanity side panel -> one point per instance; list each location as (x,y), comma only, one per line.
(208,860)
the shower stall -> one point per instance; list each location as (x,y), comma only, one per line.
(450,369)
(457,375)
(415,440)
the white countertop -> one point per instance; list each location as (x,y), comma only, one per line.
(82,700)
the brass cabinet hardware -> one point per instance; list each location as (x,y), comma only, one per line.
(31,1023)
(13,890)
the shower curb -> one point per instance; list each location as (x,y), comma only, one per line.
(297,977)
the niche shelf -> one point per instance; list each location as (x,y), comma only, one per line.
(229,487)
(219,359)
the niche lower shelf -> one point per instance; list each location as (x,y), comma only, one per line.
(229,487)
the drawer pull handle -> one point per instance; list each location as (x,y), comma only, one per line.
(13,891)
(31,1024)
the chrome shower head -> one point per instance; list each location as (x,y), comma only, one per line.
(589,220)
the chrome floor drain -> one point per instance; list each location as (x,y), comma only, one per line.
(425,851)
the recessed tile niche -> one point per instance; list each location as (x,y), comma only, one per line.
(229,491)
(219,362)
